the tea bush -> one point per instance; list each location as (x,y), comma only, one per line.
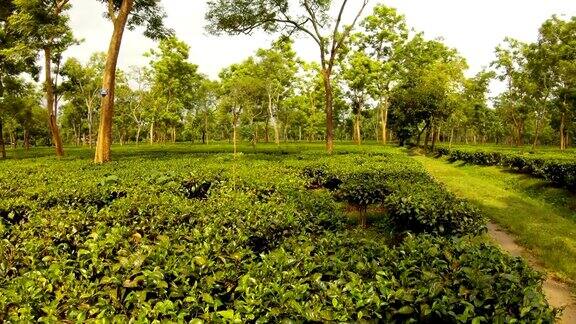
(560,172)
(260,237)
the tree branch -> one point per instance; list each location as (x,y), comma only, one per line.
(60,6)
(319,38)
(111,11)
(337,43)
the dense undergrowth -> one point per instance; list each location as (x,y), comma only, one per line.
(205,236)
(548,166)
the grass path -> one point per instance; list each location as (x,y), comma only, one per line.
(541,231)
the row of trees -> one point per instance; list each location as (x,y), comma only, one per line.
(376,80)
(29,28)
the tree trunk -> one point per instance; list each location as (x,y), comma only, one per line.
(536,133)
(427,138)
(90,125)
(329,98)
(384,120)
(434,137)
(152,133)
(104,141)
(234,135)
(357,134)
(26,139)
(2,145)
(173,134)
(138,130)
(451,138)
(562,131)
(49,88)
(13,140)
(205,134)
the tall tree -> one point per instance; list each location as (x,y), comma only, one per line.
(431,73)
(510,64)
(360,74)
(175,80)
(241,91)
(83,82)
(277,67)
(122,14)
(15,57)
(554,65)
(383,35)
(313,19)
(43,25)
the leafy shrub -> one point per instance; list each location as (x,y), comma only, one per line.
(123,242)
(559,172)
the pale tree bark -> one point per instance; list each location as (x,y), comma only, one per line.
(104,142)
(138,130)
(234,132)
(152,132)
(357,119)
(384,121)
(50,103)
(329,104)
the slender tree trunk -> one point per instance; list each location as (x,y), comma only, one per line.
(451,138)
(536,133)
(13,140)
(26,139)
(434,137)
(2,144)
(234,135)
(173,134)
(329,98)
(49,88)
(384,121)
(272,119)
(138,130)
(152,133)
(104,143)
(357,134)
(205,134)
(90,125)
(562,131)
(427,138)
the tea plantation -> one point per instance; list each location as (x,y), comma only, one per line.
(196,234)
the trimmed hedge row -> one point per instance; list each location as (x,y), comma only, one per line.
(215,239)
(412,200)
(559,172)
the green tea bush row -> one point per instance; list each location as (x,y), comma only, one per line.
(559,172)
(412,200)
(256,238)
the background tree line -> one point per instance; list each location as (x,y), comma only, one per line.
(376,80)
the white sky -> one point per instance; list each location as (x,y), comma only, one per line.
(474,27)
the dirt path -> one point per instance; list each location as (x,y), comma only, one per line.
(557,293)
(533,223)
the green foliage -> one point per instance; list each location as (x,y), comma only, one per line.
(559,172)
(184,236)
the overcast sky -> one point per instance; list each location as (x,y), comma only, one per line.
(475,28)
